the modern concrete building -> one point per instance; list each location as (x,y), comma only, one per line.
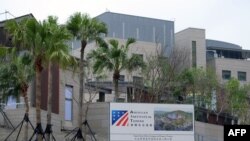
(153,35)
(227,59)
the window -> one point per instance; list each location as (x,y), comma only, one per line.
(122,78)
(68,102)
(101,97)
(242,76)
(226,74)
(11,102)
(137,80)
(194,54)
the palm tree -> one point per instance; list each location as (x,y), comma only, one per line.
(115,58)
(31,35)
(57,54)
(16,75)
(87,30)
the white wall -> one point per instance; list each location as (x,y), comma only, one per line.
(234,65)
(184,38)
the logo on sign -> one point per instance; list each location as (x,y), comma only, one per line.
(120,117)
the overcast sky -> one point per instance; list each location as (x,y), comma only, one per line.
(225,20)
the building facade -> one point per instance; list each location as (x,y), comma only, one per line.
(145,29)
(226,59)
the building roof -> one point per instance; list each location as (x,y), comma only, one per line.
(17,18)
(127,15)
(215,44)
(5,39)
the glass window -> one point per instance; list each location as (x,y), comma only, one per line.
(122,78)
(137,80)
(194,54)
(68,102)
(101,97)
(242,76)
(11,102)
(226,74)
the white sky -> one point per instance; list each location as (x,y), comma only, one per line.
(225,20)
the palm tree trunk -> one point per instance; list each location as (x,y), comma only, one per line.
(81,89)
(115,83)
(116,90)
(25,97)
(38,98)
(80,112)
(49,105)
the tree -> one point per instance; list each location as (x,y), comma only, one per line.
(202,85)
(161,73)
(237,98)
(31,35)
(85,29)
(16,75)
(57,54)
(115,58)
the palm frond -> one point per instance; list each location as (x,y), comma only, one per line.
(129,42)
(74,23)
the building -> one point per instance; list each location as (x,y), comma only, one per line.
(5,39)
(226,59)
(152,35)
(221,56)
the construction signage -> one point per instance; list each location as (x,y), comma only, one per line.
(151,122)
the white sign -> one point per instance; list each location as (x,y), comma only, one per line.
(151,122)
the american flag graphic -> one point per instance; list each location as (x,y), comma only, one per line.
(119,117)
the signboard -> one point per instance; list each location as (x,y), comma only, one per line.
(151,122)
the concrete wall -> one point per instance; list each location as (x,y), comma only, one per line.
(98,119)
(184,38)
(68,78)
(208,132)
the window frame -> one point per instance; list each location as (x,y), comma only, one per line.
(239,76)
(68,100)
(224,73)
(194,54)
